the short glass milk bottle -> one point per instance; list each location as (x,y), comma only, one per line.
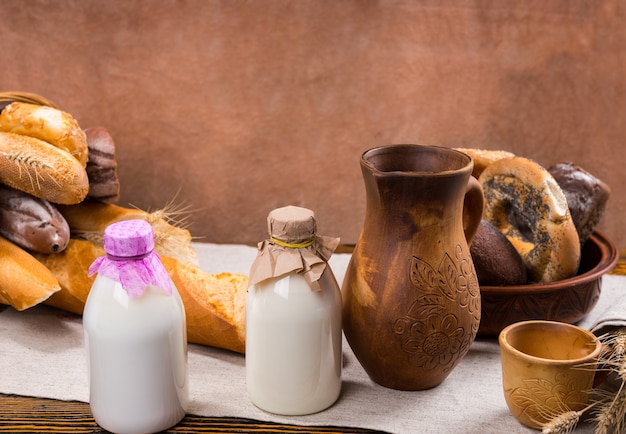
(135,336)
(293,318)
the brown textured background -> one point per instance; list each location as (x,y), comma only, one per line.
(237,107)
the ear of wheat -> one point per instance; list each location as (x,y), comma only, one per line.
(608,402)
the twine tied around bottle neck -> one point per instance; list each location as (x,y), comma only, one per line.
(293,246)
(300,245)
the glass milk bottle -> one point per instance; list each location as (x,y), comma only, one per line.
(135,336)
(293,318)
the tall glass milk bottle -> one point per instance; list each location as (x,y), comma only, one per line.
(135,336)
(293,318)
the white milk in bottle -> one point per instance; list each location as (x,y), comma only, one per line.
(293,318)
(135,336)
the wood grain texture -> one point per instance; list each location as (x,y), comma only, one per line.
(19,414)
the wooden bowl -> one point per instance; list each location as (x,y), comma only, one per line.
(567,300)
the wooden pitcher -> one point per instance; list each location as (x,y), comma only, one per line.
(411,301)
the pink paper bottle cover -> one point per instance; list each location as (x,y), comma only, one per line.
(130,258)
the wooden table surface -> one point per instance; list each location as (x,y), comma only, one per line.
(21,414)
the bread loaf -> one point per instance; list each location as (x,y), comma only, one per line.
(71,268)
(104,184)
(24,281)
(49,124)
(42,170)
(32,223)
(88,220)
(214,303)
(587,196)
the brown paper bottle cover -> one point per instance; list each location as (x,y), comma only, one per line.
(293,246)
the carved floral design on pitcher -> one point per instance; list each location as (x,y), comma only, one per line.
(430,335)
(433,342)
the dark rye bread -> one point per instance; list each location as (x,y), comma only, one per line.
(104,184)
(32,223)
(496,261)
(586,195)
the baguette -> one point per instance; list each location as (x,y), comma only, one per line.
(88,220)
(24,281)
(214,303)
(71,268)
(42,170)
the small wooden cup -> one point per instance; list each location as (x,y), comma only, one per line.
(548,368)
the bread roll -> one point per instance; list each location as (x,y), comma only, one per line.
(24,281)
(496,261)
(49,124)
(484,157)
(32,223)
(587,196)
(524,201)
(38,168)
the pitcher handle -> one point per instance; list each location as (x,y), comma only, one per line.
(472,208)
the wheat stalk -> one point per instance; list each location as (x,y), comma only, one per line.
(609,405)
(28,163)
(611,415)
(171,238)
(564,423)
(173,213)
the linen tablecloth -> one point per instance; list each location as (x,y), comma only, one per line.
(41,354)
